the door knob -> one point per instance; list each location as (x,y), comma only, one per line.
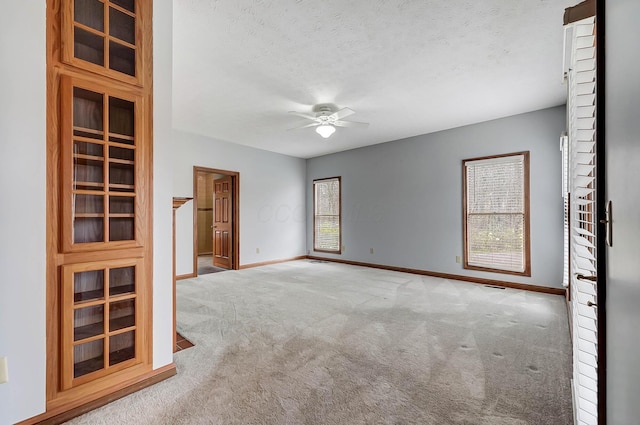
(590,304)
(580,276)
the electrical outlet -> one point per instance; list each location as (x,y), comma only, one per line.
(458,259)
(371,251)
(257,250)
(4,370)
(344,247)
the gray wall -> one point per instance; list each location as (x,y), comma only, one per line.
(623,188)
(272,198)
(23,211)
(404,198)
(162,194)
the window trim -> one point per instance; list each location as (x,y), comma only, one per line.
(527,217)
(339,250)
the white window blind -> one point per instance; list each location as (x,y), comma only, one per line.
(496,213)
(326,220)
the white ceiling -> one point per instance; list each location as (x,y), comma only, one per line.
(407,67)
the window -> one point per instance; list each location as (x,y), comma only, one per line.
(326,215)
(496,214)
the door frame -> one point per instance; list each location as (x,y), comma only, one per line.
(235,214)
(601,213)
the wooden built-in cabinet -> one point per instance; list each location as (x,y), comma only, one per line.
(99,215)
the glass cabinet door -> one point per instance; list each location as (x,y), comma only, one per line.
(99,154)
(103,36)
(100,330)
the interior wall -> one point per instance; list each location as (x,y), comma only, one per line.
(404,198)
(162,185)
(622,104)
(23,212)
(272,198)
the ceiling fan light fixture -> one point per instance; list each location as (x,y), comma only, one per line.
(325,130)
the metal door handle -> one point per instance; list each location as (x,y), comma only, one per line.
(608,220)
(580,276)
(590,304)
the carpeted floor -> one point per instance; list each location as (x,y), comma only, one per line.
(327,343)
(205,265)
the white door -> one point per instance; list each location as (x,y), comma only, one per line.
(622,152)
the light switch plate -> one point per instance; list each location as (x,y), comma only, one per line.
(4,370)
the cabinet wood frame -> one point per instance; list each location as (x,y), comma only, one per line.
(67,84)
(68,303)
(142,35)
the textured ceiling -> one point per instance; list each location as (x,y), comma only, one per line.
(406,67)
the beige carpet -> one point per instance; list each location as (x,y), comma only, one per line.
(205,265)
(326,343)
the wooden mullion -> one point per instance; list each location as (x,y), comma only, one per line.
(125,330)
(138,339)
(88,340)
(121,186)
(107,303)
(88,192)
(67,328)
(105,127)
(121,9)
(122,215)
(90,131)
(122,161)
(124,297)
(107,57)
(121,145)
(87,139)
(88,157)
(121,136)
(123,194)
(66,135)
(89,29)
(140,203)
(124,43)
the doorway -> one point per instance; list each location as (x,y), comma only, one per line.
(215,220)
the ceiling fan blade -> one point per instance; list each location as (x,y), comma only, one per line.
(313,124)
(300,114)
(344,112)
(350,124)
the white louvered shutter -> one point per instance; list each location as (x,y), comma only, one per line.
(581,104)
(564,148)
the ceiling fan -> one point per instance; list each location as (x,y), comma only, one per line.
(327,117)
